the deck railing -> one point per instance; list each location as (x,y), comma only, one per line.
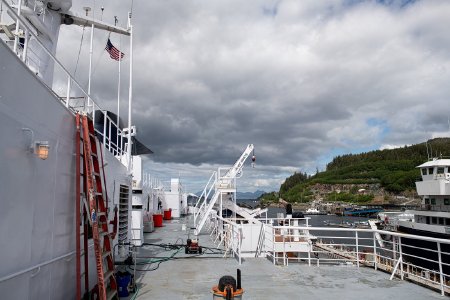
(420,259)
(75,98)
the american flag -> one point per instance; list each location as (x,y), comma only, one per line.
(114,53)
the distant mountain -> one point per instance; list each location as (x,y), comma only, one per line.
(244,195)
(389,170)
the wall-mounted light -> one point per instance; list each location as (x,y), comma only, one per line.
(40,148)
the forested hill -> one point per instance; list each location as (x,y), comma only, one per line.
(391,170)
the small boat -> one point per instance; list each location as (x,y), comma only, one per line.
(314,211)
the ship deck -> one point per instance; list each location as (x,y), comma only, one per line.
(190,276)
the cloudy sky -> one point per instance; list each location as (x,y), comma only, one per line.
(302,80)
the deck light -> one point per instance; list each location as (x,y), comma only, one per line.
(41,149)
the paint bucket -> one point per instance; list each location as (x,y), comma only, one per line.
(168,214)
(158,220)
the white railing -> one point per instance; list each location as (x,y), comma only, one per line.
(422,260)
(83,101)
(427,264)
(154,188)
(228,234)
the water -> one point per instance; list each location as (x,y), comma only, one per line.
(338,237)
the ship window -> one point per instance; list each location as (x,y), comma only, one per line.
(447,222)
(427,201)
(441,221)
(440,170)
(433,201)
(433,220)
(424,171)
(430,171)
(428,220)
(446,201)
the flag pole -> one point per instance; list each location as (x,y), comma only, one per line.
(118,91)
(130,94)
(90,102)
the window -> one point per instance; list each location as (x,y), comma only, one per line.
(447,221)
(424,171)
(441,221)
(433,220)
(430,171)
(446,201)
(440,170)
(427,201)
(433,201)
(428,220)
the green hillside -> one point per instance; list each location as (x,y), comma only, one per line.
(382,171)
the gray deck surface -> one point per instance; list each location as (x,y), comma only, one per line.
(193,278)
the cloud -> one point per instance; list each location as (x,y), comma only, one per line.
(296,78)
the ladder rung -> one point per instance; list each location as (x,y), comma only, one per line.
(105,254)
(108,274)
(110,294)
(102,213)
(96,174)
(104,233)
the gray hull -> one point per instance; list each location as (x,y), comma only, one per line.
(37,197)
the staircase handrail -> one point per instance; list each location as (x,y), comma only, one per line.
(205,195)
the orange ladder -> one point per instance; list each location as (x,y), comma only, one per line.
(98,215)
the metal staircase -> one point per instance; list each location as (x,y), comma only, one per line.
(97,214)
(222,185)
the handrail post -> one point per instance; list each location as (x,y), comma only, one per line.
(109,135)
(69,83)
(374,251)
(441,276)
(357,248)
(105,114)
(401,255)
(25,47)
(16,33)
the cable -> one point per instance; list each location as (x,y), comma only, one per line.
(79,52)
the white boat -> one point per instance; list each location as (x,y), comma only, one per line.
(432,218)
(314,211)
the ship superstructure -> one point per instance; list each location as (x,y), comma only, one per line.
(432,218)
(40,169)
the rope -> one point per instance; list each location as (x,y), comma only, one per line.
(79,52)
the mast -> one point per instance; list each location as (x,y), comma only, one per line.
(130,94)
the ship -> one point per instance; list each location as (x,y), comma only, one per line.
(43,256)
(45,214)
(431,218)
